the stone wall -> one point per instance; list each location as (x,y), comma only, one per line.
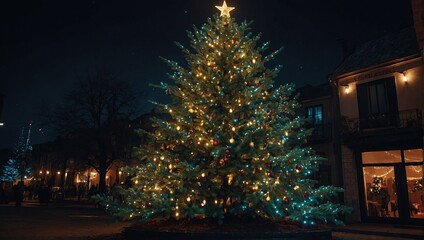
(350,180)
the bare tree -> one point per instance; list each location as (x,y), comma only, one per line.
(97,114)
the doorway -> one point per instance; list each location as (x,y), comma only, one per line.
(393,185)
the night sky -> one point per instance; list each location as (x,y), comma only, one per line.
(44,45)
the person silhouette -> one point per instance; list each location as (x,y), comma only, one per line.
(385,198)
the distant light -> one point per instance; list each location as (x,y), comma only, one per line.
(1,124)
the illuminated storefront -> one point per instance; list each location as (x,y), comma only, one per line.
(393,183)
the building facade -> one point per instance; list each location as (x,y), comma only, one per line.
(380,91)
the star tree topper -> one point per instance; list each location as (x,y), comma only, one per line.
(225,10)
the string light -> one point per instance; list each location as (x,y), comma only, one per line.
(389,171)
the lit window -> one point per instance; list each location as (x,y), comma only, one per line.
(314,113)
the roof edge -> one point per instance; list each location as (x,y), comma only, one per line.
(395,61)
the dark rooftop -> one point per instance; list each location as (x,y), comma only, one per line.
(309,92)
(389,47)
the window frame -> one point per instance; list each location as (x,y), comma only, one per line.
(313,117)
(377,103)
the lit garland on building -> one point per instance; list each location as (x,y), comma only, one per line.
(235,146)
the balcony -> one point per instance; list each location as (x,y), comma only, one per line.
(320,133)
(394,131)
(404,119)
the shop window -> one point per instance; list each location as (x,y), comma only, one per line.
(380,191)
(413,155)
(414,178)
(386,174)
(389,156)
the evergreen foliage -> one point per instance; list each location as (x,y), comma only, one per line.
(234,147)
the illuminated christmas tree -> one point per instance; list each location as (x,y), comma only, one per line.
(234,146)
(17,166)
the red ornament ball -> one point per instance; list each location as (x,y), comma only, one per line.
(299,167)
(243,173)
(286,200)
(306,195)
(215,143)
(226,159)
(227,151)
(272,175)
(149,204)
(268,165)
(177,160)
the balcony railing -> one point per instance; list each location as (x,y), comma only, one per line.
(404,119)
(321,132)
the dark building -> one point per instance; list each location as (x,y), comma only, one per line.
(1,108)
(319,107)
